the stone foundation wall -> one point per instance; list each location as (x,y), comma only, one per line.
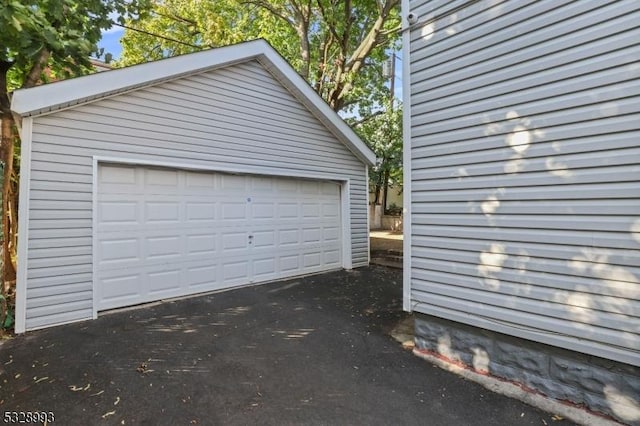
(602,386)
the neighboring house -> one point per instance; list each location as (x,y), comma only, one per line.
(195,173)
(100,66)
(522,193)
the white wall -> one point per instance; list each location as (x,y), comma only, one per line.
(525,170)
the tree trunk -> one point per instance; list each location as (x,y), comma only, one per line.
(6,152)
(385,189)
(13,213)
(377,192)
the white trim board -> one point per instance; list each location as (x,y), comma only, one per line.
(406,160)
(23,230)
(366,177)
(94,236)
(244,170)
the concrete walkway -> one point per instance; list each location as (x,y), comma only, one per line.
(386,248)
(313,350)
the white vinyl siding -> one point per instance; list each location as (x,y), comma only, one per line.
(525,169)
(239,117)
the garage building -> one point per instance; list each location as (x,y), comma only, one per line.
(191,174)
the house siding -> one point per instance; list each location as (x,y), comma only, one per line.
(238,117)
(525,170)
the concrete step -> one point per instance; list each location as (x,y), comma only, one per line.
(389,257)
(385,262)
(388,252)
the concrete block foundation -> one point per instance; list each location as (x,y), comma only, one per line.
(605,387)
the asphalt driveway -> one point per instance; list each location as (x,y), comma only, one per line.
(313,350)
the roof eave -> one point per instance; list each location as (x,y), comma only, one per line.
(65,94)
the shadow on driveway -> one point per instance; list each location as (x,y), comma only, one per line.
(312,350)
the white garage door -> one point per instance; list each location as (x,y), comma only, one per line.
(166,232)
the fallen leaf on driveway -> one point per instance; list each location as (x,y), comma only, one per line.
(143,368)
(108,413)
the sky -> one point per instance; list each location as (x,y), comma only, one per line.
(111,41)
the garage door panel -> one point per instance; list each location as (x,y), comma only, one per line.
(289,263)
(288,237)
(201,244)
(233,182)
(330,210)
(328,188)
(118,213)
(312,260)
(310,210)
(119,250)
(331,234)
(332,257)
(167,282)
(264,269)
(195,182)
(310,187)
(288,186)
(119,290)
(264,239)
(236,272)
(163,247)
(161,180)
(263,184)
(200,211)
(234,211)
(263,210)
(235,241)
(161,212)
(311,235)
(288,210)
(201,276)
(167,233)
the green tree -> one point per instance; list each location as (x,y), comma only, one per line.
(338,46)
(382,130)
(41,39)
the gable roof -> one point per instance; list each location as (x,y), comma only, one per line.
(68,93)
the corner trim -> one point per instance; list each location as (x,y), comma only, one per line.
(406,160)
(345,204)
(26,133)
(366,176)
(94,236)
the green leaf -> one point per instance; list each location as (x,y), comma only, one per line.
(8,321)
(16,23)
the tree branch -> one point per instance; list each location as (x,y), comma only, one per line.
(271,9)
(35,73)
(5,102)
(367,118)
